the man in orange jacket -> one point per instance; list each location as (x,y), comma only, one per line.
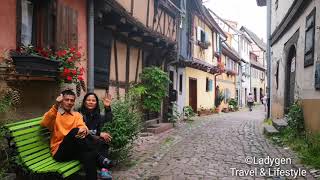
(70,136)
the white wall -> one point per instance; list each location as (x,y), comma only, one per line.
(304,76)
(278,14)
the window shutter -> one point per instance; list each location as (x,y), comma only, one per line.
(102,56)
(60,30)
(67,27)
(207,84)
(73,28)
(198,33)
(210,85)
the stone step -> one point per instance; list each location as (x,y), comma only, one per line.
(270,130)
(159,128)
(279,124)
(151,122)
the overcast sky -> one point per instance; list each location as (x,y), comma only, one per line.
(245,12)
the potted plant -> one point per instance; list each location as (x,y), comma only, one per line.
(29,60)
(218,100)
(233,104)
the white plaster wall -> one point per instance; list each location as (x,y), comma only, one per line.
(304,76)
(278,14)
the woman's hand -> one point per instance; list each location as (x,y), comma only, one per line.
(107,100)
(106,136)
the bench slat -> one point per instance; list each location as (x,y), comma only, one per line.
(57,165)
(31,140)
(33,150)
(35,160)
(25,131)
(25,125)
(71,171)
(41,132)
(69,166)
(42,164)
(22,122)
(35,155)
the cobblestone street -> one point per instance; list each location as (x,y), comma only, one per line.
(209,148)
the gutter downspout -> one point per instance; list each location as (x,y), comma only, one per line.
(90,42)
(269,57)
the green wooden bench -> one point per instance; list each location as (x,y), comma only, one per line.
(29,143)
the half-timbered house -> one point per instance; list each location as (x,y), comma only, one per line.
(200,52)
(131,35)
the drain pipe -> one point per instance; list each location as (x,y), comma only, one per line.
(90,65)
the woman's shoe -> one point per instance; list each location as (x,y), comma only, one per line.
(105,174)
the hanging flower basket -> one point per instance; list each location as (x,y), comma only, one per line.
(36,65)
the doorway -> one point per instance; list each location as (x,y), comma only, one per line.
(290,78)
(193,93)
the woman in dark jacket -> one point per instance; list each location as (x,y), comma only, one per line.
(90,111)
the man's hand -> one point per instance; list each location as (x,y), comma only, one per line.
(59,99)
(107,100)
(82,133)
(106,136)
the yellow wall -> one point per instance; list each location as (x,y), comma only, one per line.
(204,99)
(199,53)
(226,82)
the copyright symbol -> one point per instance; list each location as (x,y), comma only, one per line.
(248,160)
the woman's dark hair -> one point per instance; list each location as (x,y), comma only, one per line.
(84,110)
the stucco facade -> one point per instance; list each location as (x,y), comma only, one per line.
(304,83)
(205,98)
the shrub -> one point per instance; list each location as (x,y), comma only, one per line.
(188,112)
(155,84)
(125,125)
(295,119)
(175,115)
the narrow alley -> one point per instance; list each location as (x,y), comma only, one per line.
(214,147)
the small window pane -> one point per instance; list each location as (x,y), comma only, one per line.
(26,22)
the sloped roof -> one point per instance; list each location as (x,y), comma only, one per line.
(255,38)
(229,51)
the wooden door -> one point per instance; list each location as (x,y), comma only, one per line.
(193,93)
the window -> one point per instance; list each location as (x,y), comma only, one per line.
(202,36)
(208,85)
(180,83)
(36,19)
(309,39)
(26,22)
(218,44)
(42,26)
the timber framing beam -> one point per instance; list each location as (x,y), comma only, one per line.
(119,20)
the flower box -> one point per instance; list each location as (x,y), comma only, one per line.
(35,65)
(204,45)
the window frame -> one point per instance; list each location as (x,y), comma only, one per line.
(309,55)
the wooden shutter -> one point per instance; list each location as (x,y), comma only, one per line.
(67,27)
(102,56)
